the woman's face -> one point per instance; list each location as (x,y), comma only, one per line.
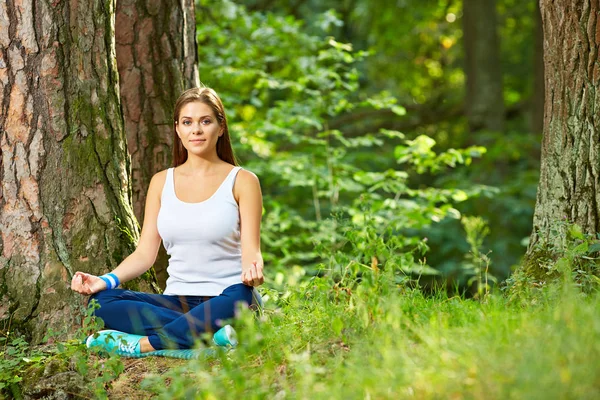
(198,128)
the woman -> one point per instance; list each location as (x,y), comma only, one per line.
(207,211)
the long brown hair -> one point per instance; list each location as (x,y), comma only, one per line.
(209,97)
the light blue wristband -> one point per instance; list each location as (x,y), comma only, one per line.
(111,280)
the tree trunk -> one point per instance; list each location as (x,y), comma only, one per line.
(570,161)
(157,60)
(66,193)
(484,97)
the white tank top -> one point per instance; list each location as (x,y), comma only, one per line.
(202,239)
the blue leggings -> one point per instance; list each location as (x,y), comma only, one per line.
(169,321)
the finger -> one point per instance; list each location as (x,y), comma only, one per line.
(76,283)
(257,266)
(245,278)
(259,273)
(254,276)
(249,277)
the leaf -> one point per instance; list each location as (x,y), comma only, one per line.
(391,134)
(340,46)
(581,249)
(459,196)
(399,110)
(575,232)
(400,152)
(594,247)
(337,325)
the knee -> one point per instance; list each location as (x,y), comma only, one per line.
(242,293)
(238,293)
(105,296)
(101,295)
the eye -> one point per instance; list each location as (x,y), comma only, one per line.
(206,121)
(187,122)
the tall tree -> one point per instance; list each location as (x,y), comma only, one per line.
(66,194)
(157,60)
(484,99)
(570,164)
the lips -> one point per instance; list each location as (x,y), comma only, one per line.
(198,141)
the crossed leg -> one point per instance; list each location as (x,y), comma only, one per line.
(169,321)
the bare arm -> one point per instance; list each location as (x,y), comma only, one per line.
(144,255)
(249,197)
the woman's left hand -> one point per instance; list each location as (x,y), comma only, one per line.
(253,275)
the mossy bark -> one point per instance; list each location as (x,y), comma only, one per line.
(157,60)
(66,192)
(569,187)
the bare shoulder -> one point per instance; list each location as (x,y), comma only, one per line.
(245,182)
(160,175)
(247,177)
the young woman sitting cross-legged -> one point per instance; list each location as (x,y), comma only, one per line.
(207,212)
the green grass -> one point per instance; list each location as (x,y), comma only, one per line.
(380,341)
(359,339)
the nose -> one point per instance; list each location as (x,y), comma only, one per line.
(198,128)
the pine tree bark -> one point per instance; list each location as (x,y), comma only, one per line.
(66,194)
(484,98)
(157,60)
(570,161)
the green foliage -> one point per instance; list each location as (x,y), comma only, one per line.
(477,263)
(416,55)
(379,339)
(23,366)
(508,209)
(15,357)
(318,335)
(283,87)
(416,46)
(516,23)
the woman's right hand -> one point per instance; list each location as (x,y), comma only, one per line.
(87,284)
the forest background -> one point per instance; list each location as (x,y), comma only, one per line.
(398,146)
(340,106)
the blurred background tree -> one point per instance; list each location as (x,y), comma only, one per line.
(462,73)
